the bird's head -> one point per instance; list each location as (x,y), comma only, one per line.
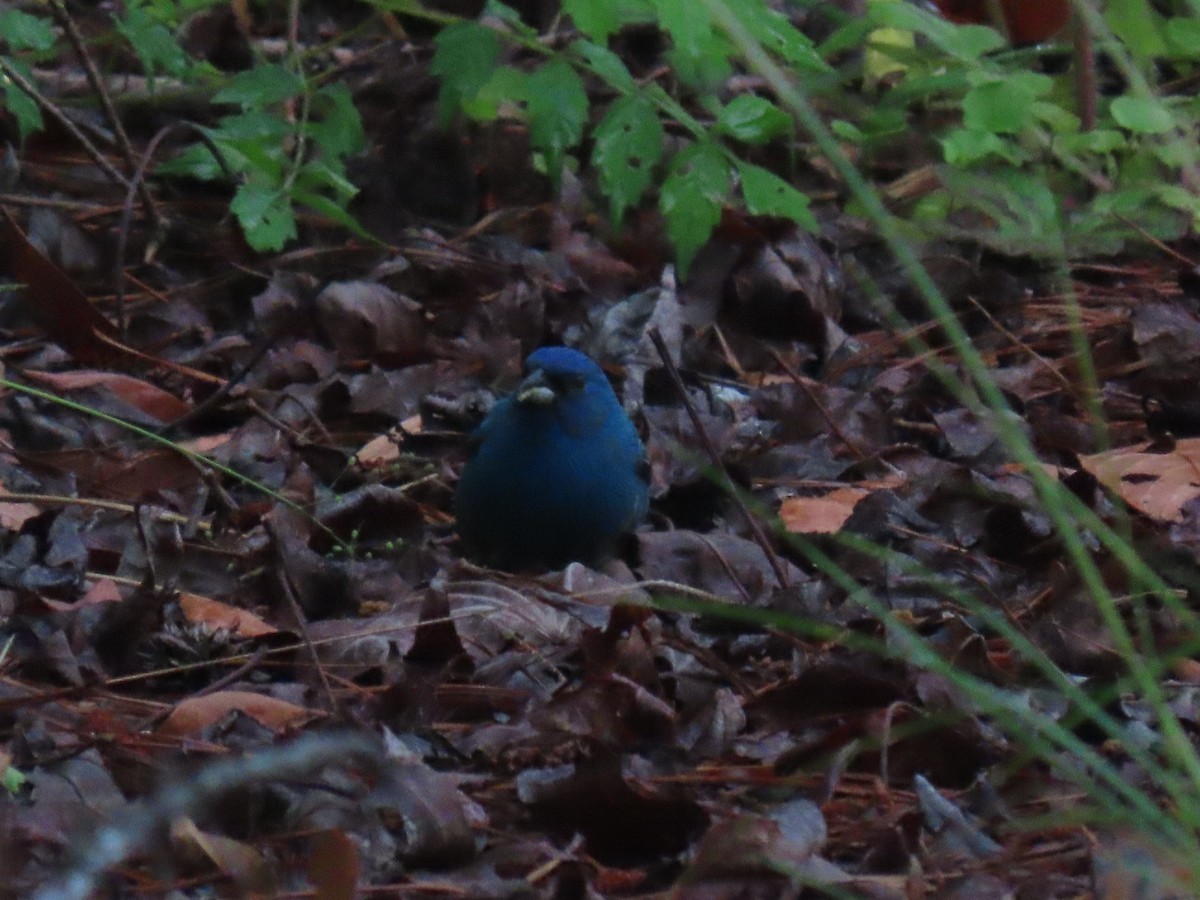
(556,374)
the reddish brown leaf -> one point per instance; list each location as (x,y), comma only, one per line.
(195,714)
(217,615)
(51,299)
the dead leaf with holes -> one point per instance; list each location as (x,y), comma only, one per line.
(1158,485)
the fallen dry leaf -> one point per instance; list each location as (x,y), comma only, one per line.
(218,615)
(1158,485)
(194,714)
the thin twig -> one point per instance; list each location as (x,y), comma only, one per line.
(726,482)
(52,110)
(63,17)
(285,582)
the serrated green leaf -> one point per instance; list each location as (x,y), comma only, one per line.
(754,120)
(21,31)
(265,214)
(692,198)
(767,194)
(627,146)
(779,36)
(153,43)
(557,107)
(260,87)
(464,57)
(1141,115)
(607,65)
(336,127)
(700,52)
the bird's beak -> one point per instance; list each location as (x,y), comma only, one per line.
(535,390)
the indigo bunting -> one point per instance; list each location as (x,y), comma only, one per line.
(558,472)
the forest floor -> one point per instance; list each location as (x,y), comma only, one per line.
(268,558)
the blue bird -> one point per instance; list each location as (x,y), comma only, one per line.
(558,472)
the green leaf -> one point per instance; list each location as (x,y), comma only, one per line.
(21,31)
(153,43)
(13,779)
(265,214)
(699,51)
(1141,115)
(1183,35)
(464,56)
(628,145)
(21,105)
(1003,107)
(964,146)
(1137,26)
(778,35)
(558,106)
(692,198)
(967,42)
(336,127)
(767,194)
(753,119)
(597,18)
(260,87)
(607,65)
(196,162)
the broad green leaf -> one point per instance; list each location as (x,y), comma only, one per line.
(753,119)
(966,42)
(1141,115)
(628,145)
(265,214)
(692,198)
(260,87)
(607,65)
(557,106)
(1003,107)
(964,146)
(21,31)
(464,56)
(767,194)
(1183,35)
(1137,26)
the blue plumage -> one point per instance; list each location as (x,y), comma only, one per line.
(558,472)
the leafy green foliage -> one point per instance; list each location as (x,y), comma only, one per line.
(1020,162)
(31,37)
(628,132)
(263,148)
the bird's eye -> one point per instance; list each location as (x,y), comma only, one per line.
(570,382)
